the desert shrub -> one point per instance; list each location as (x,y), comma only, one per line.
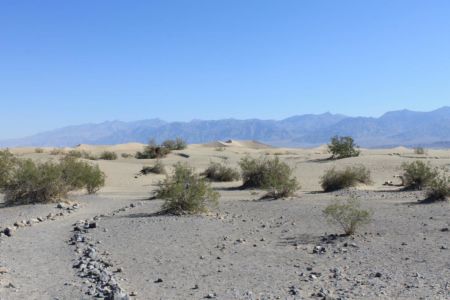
(272,175)
(417,174)
(57,151)
(108,155)
(334,179)
(419,150)
(342,147)
(126,155)
(157,168)
(439,188)
(81,154)
(41,182)
(221,172)
(39,150)
(7,165)
(186,192)
(177,144)
(153,150)
(348,215)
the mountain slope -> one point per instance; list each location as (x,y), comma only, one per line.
(404,127)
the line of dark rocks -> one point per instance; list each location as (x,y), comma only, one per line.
(66,209)
(93,267)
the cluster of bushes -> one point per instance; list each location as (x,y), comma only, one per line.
(26,181)
(418,175)
(39,150)
(221,172)
(272,175)
(154,150)
(419,150)
(334,179)
(186,192)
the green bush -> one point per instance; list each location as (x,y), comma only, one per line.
(272,175)
(39,150)
(334,179)
(343,147)
(417,174)
(348,215)
(42,182)
(108,155)
(153,150)
(157,168)
(7,165)
(186,192)
(177,144)
(439,188)
(221,172)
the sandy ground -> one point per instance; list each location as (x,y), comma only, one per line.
(246,248)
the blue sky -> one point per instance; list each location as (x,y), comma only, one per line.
(72,62)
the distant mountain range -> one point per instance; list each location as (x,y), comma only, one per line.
(396,128)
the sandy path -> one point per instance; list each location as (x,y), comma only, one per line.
(39,258)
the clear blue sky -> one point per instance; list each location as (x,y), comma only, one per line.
(72,62)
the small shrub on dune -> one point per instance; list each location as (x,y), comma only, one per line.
(348,215)
(57,151)
(221,172)
(439,188)
(343,147)
(157,168)
(186,192)
(417,174)
(272,175)
(108,155)
(334,179)
(177,144)
(126,155)
(38,150)
(153,150)
(419,151)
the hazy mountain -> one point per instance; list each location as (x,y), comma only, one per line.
(404,127)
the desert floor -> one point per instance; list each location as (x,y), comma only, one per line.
(246,248)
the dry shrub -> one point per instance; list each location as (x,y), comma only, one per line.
(108,155)
(417,174)
(221,172)
(334,179)
(157,168)
(43,182)
(185,192)
(348,215)
(272,175)
(439,188)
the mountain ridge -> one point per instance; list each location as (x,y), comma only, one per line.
(394,128)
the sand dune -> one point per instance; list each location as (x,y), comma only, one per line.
(246,248)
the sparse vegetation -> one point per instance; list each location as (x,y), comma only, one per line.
(439,188)
(417,174)
(153,150)
(39,150)
(185,192)
(272,175)
(419,150)
(126,155)
(348,215)
(221,172)
(57,151)
(40,182)
(334,179)
(177,144)
(108,155)
(7,163)
(343,147)
(157,168)
(81,154)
